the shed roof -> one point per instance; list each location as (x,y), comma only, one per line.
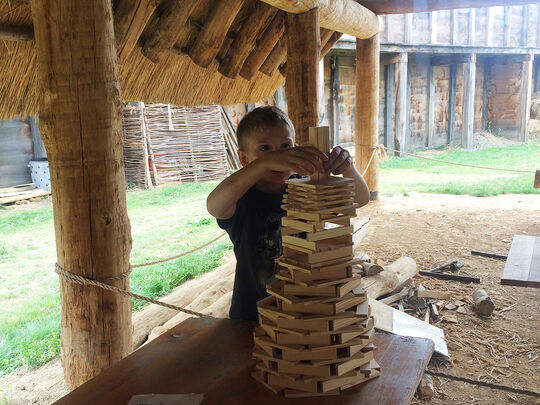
(236,53)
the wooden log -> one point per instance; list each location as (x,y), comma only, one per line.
(367,111)
(166,33)
(244,42)
(212,35)
(426,387)
(393,275)
(346,16)
(370,269)
(275,58)
(16,33)
(264,46)
(303,50)
(80,121)
(330,43)
(130,18)
(483,303)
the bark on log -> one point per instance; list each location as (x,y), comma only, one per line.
(212,35)
(264,46)
(155,315)
(483,303)
(163,38)
(80,121)
(337,15)
(130,18)
(275,58)
(367,110)
(303,50)
(390,278)
(244,42)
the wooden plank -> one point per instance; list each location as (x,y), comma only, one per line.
(526,87)
(469,72)
(452,104)
(213,357)
(389,125)
(522,266)
(431,106)
(401,107)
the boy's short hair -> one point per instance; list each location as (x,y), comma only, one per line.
(260,118)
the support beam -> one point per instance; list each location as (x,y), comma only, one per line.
(432,27)
(400,115)
(334,77)
(303,49)
(450,59)
(276,58)
(431,106)
(330,43)
(165,35)
(452,103)
(16,33)
(391,58)
(389,106)
(130,18)
(345,16)
(212,35)
(264,46)
(472,26)
(244,42)
(469,74)
(367,111)
(485,83)
(80,120)
(526,87)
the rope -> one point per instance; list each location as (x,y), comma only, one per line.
(485,384)
(448,163)
(78,279)
(379,148)
(181,254)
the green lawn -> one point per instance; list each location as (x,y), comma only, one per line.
(165,222)
(412,174)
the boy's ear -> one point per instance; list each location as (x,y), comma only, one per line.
(243,157)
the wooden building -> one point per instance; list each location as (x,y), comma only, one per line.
(428,60)
(73,62)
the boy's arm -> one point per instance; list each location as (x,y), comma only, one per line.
(340,162)
(221,202)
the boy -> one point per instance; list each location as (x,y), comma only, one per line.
(247,204)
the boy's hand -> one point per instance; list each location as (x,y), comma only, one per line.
(304,160)
(339,161)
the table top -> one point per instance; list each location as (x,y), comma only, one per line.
(213,357)
(522,266)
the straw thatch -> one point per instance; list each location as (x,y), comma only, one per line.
(165,53)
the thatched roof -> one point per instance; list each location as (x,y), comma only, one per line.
(164,51)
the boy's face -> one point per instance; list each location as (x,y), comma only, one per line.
(274,138)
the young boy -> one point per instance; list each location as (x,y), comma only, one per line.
(247,204)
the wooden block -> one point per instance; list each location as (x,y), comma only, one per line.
(337,254)
(297,224)
(330,233)
(258,375)
(303,368)
(311,291)
(300,385)
(334,383)
(287,339)
(328,308)
(354,362)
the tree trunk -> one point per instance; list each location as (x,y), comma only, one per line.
(80,119)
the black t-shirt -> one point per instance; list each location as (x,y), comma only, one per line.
(255,231)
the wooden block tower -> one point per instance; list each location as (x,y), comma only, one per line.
(315,333)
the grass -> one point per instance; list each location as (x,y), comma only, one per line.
(164,222)
(412,174)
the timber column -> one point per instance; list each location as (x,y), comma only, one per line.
(303,49)
(367,111)
(81,125)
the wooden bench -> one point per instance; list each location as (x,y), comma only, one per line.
(523,262)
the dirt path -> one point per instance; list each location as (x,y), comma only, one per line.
(432,229)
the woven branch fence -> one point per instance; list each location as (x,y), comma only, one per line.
(165,144)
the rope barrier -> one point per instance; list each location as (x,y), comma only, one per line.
(444,161)
(76,278)
(485,384)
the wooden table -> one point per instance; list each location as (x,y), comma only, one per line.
(213,356)
(522,266)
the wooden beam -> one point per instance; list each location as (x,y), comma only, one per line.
(330,43)
(431,106)
(391,58)
(130,18)
(524,25)
(469,73)
(334,77)
(214,31)
(276,58)
(433,27)
(401,107)
(485,81)
(16,33)
(175,14)
(367,111)
(389,106)
(81,125)
(526,86)
(303,49)
(449,59)
(244,42)
(345,16)
(264,46)
(408,27)
(453,28)
(452,103)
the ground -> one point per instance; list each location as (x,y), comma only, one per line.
(432,229)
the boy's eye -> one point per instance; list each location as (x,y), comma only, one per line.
(285,145)
(265,147)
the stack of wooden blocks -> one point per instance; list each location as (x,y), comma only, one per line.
(315,334)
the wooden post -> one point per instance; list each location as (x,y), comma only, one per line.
(506,28)
(401,106)
(485,83)
(431,106)
(526,86)
(432,27)
(489,32)
(145,146)
(334,74)
(453,28)
(472,26)
(524,25)
(303,49)
(367,110)
(408,27)
(389,106)
(80,117)
(452,103)
(469,73)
